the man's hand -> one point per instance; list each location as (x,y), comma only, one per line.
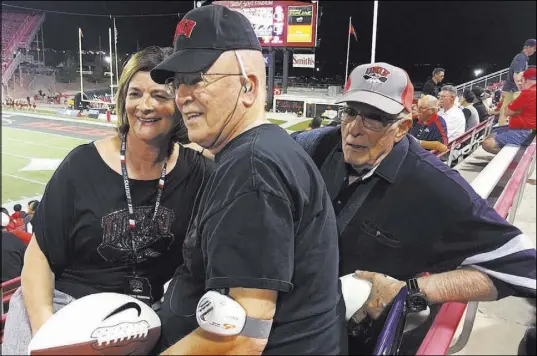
(383,291)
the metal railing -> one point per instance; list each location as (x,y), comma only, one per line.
(12,66)
(484,81)
(30,31)
(466,143)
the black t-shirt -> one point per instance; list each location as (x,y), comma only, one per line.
(265,222)
(12,255)
(431,88)
(481,111)
(81,224)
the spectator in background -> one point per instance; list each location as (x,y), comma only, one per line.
(432,86)
(522,125)
(469,111)
(510,88)
(13,250)
(32,207)
(430,128)
(315,123)
(481,108)
(455,121)
(17,219)
(488,100)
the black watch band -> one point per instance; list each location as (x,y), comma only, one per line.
(416,300)
(412,286)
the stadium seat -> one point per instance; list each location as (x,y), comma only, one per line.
(8,288)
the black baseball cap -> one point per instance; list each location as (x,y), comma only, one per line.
(201,36)
(479,92)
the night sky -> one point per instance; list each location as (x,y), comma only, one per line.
(456,35)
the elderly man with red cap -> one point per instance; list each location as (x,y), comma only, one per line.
(522,124)
(400,211)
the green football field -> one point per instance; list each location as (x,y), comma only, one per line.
(29,159)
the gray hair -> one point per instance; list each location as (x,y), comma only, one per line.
(430,101)
(450,89)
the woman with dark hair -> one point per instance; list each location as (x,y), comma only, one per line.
(115,213)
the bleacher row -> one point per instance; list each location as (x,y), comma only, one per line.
(16,30)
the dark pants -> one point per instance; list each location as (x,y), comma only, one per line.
(527,345)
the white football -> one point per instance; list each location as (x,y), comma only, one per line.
(99,324)
(355,293)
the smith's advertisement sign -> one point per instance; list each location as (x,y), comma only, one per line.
(304,60)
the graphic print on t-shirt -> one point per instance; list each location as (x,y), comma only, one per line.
(146,241)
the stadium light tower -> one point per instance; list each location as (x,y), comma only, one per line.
(201,3)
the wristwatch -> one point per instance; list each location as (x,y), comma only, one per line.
(416,301)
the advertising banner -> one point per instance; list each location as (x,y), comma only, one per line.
(303,60)
(300,24)
(267,59)
(279,23)
(94,114)
(290,106)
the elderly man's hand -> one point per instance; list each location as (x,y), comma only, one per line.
(383,291)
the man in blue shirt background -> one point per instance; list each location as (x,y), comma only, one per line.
(430,130)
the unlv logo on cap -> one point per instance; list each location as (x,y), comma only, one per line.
(376,74)
(184,28)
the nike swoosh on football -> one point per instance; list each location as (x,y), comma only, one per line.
(126,306)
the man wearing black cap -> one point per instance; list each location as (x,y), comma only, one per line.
(479,96)
(261,255)
(510,88)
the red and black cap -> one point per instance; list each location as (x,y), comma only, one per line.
(202,36)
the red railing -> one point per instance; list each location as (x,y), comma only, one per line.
(456,150)
(506,199)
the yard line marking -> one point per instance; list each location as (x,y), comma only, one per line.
(21,156)
(37,144)
(55,118)
(46,133)
(26,179)
(14,155)
(10,203)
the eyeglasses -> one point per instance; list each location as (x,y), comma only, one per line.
(191,79)
(371,121)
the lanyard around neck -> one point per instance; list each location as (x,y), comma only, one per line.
(160,187)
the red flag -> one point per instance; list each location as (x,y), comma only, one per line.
(352,32)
